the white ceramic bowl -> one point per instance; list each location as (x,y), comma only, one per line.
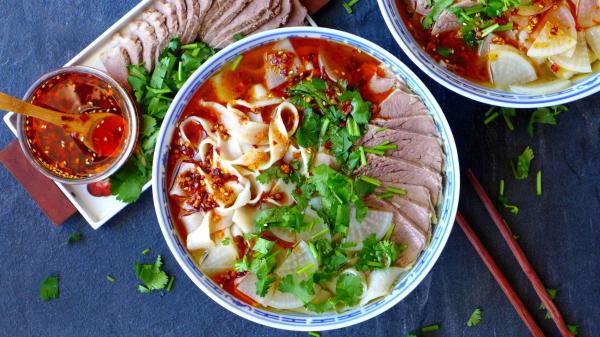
(293,321)
(579,89)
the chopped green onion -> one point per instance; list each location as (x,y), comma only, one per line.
(305,268)
(363,157)
(388,233)
(146,251)
(314,251)
(180,72)
(430,328)
(380,130)
(348,5)
(325,230)
(505,27)
(374,151)
(347,245)
(236,62)
(324,128)
(398,191)
(191,46)
(491,118)
(158,91)
(538,183)
(370,180)
(385,195)
(488,30)
(501,192)
(352,127)
(170,284)
(314,334)
(375,264)
(110,278)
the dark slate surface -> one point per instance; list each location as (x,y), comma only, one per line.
(558,231)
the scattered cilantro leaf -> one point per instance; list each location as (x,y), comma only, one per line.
(49,289)
(475,318)
(507,114)
(573,329)
(303,290)
(521,170)
(75,237)
(377,254)
(552,292)
(544,116)
(514,209)
(445,51)
(152,275)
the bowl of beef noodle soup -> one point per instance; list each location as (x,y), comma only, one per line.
(305,179)
(512,53)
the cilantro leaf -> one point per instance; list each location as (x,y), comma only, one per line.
(552,293)
(325,306)
(573,329)
(544,116)
(377,254)
(285,217)
(263,246)
(348,289)
(75,237)
(304,290)
(361,109)
(152,275)
(521,170)
(332,258)
(506,113)
(49,289)
(475,318)
(308,133)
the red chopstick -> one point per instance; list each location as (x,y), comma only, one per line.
(527,268)
(499,276)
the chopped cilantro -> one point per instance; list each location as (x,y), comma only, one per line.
(75,237)
(226,241)
(348,289)
(430,328)
(49,289)
(154,93)
(544,116)
(512,208)
(507,114)
(475,318)
(152,275)
(290,217)
(444,51)
(304,290)
(377,254)
(238,36)
(552,293)
(332,258)
(521,170)
(573,328)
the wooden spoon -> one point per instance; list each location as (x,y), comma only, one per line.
(83,125)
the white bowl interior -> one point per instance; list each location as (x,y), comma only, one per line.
(292,321)
(461,86)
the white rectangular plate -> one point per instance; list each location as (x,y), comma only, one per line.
(97,210)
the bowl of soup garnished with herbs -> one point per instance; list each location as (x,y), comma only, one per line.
(504,52)
(305,179)
(62,155)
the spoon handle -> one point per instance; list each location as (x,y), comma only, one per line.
(16,105)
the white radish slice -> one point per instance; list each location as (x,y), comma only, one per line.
(317,228)
(375,222)
(380,283)
(540,87)
(221,258)
(588,12)
(559,72)
(592,36)
(192,221)
(579,62)
(551,41)
(509,66)
(595,68)
(200,238)
(301,257)
(281,300)
(284,234)
(247,286)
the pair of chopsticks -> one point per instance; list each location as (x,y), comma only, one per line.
(521,259)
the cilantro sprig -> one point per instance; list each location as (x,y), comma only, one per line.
(522,168)
(152,276)
(49,289)
(377,254)
(154,93)
(475,318)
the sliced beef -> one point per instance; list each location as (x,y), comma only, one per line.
(402,104)
(405,232)
(298,15)
(144,32)
(422,7)
(159,23)
(280,19)
(132,45)
(390,170)
(181,9)
(256,14)
(192,21)
(417,214)
(422,124)
(115,61)
(413,147)
(169,11)
(446,22)
(220,13)
(417,194)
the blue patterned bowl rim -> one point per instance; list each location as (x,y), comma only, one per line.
(297,321)
(579,89)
